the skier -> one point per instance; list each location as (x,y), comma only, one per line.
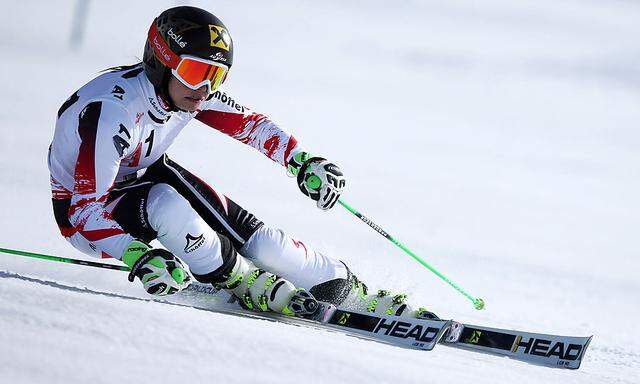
(115,189)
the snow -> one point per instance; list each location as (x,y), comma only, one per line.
(497,139)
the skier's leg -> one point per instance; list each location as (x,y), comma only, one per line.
(298,261)
(149,211)
(219,212)
(79,242)
(326,278)
(174,223)
(271,249)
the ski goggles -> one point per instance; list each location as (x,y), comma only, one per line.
(193,72)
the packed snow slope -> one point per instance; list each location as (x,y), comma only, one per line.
(499,139)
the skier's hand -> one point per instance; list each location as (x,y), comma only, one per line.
(160,272)
(319,179)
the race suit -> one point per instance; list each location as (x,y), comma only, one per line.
(112,181)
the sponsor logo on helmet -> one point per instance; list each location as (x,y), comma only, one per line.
(220,37)
(161,49)
(177,38)
(218,57)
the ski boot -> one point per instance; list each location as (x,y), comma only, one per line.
(384,302)
(351,293)
(260,290)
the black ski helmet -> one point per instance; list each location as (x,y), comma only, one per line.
(191,31)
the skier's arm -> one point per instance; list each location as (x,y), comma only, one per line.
(317,178)
(104,131)
(224,114)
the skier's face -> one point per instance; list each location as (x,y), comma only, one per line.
(186,98)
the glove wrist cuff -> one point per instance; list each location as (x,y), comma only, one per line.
(135,250)
(296,162)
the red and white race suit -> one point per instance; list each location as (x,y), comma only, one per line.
(116,126)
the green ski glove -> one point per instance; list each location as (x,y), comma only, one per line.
(160,272)
(317,178)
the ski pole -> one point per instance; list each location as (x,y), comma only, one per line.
(478,303)
(194,286)
(123,268)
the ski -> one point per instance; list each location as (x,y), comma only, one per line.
(405,332)
(398,331)
(535,348)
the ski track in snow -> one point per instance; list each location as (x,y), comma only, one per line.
(497,139)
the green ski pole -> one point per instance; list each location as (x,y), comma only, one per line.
(478,303)
(123,268)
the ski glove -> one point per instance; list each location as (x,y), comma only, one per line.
(318,178)
(160,272)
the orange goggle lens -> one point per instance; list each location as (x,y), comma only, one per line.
(195,72)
